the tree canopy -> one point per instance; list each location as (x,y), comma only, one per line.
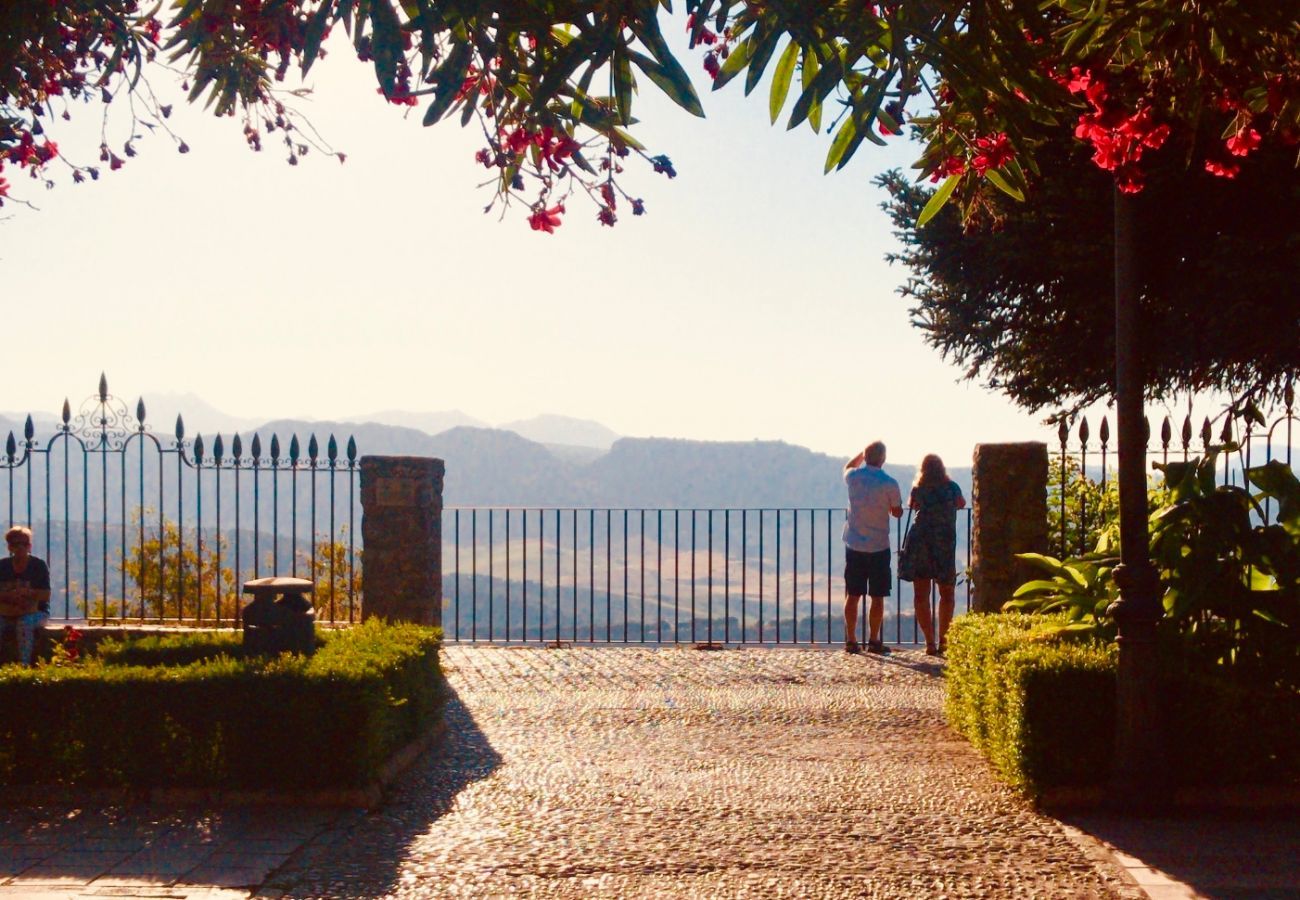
(1027,305)
(551,83)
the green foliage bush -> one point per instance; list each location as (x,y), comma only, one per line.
(1039,703)
(1041,709)
(187,710)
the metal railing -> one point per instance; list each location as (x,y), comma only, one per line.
(656,576)
(1075,457)
(140,527)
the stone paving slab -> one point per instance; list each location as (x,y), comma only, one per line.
(1239,857)
(600,772)
(148,852)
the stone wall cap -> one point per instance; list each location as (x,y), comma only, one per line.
(278,584)
(417,460)
(1025,444)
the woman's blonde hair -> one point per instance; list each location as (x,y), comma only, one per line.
(18,530)
(931,472)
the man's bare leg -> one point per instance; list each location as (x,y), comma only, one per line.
(851,620)
(875,619)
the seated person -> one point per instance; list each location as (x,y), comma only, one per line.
(24,591)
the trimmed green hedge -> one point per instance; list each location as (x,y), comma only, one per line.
(188,710)
(1226,733)
(1042,710)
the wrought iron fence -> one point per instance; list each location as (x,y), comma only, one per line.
(143,527)
(656,576)
(1076,459)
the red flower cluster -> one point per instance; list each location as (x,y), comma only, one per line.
(1224,169)
(994,153)
(1243,142)
(1118,138)
(554,150)
(28,153)
(547,219)
(953,165)
(71,643)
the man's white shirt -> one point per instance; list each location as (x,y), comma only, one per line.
(873,496)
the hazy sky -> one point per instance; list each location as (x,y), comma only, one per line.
(752,301)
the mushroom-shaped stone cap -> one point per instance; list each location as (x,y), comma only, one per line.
(278,585)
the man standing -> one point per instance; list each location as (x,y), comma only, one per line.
(873,498)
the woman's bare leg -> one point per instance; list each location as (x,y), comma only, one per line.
(947,604)
(921,601)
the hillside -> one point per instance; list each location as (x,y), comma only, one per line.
(493,466)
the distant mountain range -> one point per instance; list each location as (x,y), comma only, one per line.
(548,460)
(494,466)
(572,438)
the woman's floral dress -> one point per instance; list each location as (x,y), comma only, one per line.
(930,549)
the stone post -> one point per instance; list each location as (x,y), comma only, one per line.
(401,526)
(1009,495)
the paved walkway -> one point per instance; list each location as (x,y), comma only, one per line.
(614,772)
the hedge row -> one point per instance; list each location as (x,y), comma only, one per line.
(1043,710)
(187,710)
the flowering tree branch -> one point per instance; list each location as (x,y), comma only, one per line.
(551,83)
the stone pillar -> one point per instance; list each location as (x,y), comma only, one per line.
(401,526)
(1009,495)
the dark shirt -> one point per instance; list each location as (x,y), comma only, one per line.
(35,576)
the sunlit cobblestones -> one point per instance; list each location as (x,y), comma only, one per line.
(629,772)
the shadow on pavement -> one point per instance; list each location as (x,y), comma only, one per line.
(1223,855)
(364,858)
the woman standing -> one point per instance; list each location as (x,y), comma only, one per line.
(24,591)
(930,551)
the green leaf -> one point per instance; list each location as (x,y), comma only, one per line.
(807,74)
(628,139)
(624,86)
(734,63)
(448,80)
(781,80)
(1076,576)
(1269,617)
(936,203)
(648,33)
(580,95)
(675,84)
(314,35)
(845,136)
(763,50)
(560,68)
(1036,585)
(813,93)
(1001,183)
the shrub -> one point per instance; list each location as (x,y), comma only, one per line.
(1040,705)
(187,710)
(1041,709)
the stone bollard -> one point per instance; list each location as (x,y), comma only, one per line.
(401,527)
(280,618)
(1009,495)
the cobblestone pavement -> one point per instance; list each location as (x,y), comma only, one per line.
(598,772)
(179,853)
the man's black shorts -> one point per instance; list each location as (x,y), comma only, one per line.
(867,573)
